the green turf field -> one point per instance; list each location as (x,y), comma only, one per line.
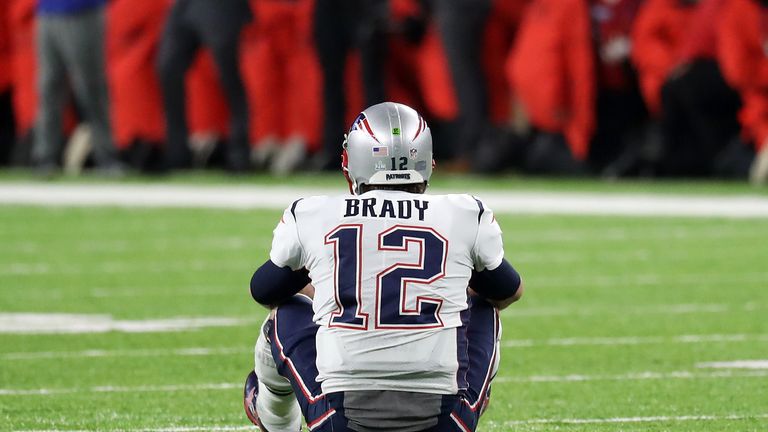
(619,315)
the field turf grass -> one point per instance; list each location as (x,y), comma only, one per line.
(618,315)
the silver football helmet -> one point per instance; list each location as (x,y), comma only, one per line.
(388,144)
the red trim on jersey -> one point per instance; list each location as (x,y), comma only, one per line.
(460,423)
(320,420)
(488,374)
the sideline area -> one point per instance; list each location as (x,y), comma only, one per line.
(279,197)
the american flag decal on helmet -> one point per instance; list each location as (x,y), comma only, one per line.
(361,123)
(421,128)
(380,151)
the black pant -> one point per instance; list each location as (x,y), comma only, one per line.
(7,128)
(462,25)
(621,118)
(699,119)
(216,25)
(340,27)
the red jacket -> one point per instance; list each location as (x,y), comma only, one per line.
(701,40)
(743,56)
(500,31)
(24,63)
(551,69)
(133,36)
(659,32)
(419,76)
(6,77)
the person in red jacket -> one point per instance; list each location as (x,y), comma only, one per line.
(620,111)
(6,109)
(743,54)
(659,32)
(136,103)
(551,68)
(694,109)
(699,110)
(23,73)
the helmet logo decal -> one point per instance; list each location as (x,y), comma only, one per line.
(413,153)
(361,123)
(380,165)
(395,131)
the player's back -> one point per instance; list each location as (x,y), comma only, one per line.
(390,270)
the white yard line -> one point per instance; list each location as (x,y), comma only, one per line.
(512,343)
(165,429)
(55,323)
(271,197)
(650,419)
(120,389)
(493,425)
(97,353)
(668,309)
(650,279)
(736,364)
(198,429)
(647,375)
(634,340)
(117,267)
(634,376)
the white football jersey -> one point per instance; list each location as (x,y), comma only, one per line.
(390,271)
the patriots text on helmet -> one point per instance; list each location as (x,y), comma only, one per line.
(398,176)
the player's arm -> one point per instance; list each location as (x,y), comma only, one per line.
(272,285)
(493,277)
(284,274)
(501,286)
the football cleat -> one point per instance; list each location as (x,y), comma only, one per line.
(250,393)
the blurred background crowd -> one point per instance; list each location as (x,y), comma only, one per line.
(611,88)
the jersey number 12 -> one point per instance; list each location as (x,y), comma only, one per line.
(391,287)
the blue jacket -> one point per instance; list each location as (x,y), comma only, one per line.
(62,7)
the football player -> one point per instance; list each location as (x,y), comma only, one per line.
(391,339)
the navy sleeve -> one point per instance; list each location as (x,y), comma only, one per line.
(498,284)
(271,285)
